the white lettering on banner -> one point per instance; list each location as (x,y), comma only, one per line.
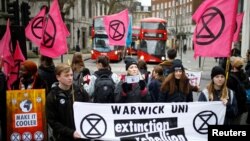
(148,121)
(25,120)
(231,133)
(142,110)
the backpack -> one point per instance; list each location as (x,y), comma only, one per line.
(104,89)
(78,81)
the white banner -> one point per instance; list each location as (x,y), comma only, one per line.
(148,121)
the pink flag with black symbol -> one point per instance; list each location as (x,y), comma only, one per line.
(116,26)
(34,29)
(18,58)
(6,50)
(215,22)
(239,19)
(54,41)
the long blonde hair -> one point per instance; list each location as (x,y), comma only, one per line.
(211,90)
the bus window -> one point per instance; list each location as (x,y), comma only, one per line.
(154,47)
(161,26)
(143,46)
(101,44)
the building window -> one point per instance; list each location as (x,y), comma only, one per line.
(83,8)
(105,9)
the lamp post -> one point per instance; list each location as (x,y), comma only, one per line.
(176,29)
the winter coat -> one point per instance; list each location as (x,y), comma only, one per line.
(3,87)
(154,89)
(238,82)
(38,84)
(48,75)
(130,96)
(91,86)
(59,110)
(232,108)
(177,96)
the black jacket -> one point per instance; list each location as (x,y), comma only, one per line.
(48,75)
(59,109)
(3,87)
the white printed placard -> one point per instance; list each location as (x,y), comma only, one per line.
(25,120)
(194,77)
(148,121)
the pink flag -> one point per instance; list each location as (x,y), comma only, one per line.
(215,21)
(6,49)
(239,19)
(116,26)
(33,30)
(54,41)
(18,58)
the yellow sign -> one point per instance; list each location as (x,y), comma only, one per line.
(26,118)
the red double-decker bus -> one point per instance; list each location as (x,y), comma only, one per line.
(100,42)
(135,41)
(153,37)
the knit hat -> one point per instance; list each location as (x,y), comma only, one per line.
(30,66)
(129,63)
(217,70)
(177,65)
(237,62)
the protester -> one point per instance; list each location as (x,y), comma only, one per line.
(28,77)
(79,70)
(176,86)
(128,91)
(218,91)
(59,104)
(238,82)
(167,64)
(247,69)
(3,87)
(142,66)
(185,49)
(155,83)
(102,83)
(46,71)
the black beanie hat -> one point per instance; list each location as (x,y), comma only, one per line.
(129,63)
(177,65)
(216,71)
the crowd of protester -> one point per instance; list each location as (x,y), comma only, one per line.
(167,83)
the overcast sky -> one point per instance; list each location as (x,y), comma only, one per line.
(145,2)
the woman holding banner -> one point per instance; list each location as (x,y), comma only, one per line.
(217,90)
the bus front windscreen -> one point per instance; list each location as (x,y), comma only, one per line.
(153,47)
(101,45)
(154,25)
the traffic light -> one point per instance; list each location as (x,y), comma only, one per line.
(25,11)
(13,11)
